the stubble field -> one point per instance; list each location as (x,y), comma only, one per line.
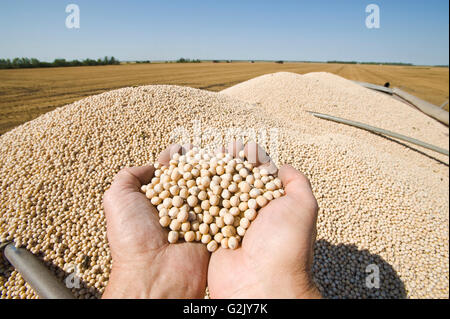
(27,93)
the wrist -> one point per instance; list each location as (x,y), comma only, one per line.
(309,291)
(151,282)
(130,283)
(306,287)
(279,286)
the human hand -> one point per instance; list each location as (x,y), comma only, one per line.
(145,265)
(275,258)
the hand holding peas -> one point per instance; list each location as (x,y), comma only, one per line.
(273,261)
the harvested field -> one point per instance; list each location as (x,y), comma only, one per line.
(27,93)
(382,203)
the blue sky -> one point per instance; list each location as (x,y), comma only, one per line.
(410,31)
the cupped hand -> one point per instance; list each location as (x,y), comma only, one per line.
(275,258)
(145,265)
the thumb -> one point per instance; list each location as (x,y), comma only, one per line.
(133,177)
(297,186)
(298,189)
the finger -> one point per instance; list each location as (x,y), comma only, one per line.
(166,155)
(296,185)
(257,156)
(235,147)
(134,176)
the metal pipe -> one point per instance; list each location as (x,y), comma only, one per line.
(381,131)
(429,109)
(375,87)
(436,112)
(36,274)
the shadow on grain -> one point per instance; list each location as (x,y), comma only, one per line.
(340,272)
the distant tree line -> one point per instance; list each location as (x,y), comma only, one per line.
(343,62)
(387,63)
(183,60)
(18,63)
(383,63)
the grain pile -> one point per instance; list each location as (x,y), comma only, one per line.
(380,202)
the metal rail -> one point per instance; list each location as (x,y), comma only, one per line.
(430,109)
(35,273)
(375,87)
(381,131)
(436,112)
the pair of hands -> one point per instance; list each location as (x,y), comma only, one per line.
(274,260)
